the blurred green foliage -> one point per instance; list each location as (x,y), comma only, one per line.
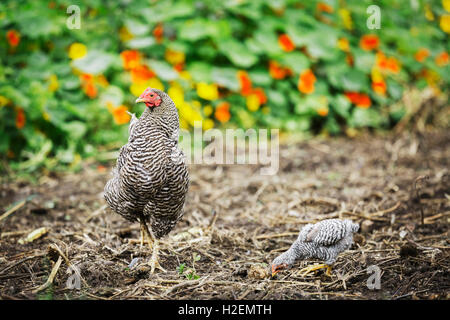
(310,66)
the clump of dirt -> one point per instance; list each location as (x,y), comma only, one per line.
(233,228)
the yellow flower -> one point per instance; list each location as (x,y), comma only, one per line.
(207,124)
(189,114)
(207,91)
(445,23)
(138,87)
(207,110)
(176,93)
(102,81)
(343,44)
(46,116)
(346,18)
(185,75)
(265,110)
(446,5)
(3,101)
(174,57)
(253,102)
(428,13)
(77,50)
(53,83)
(125,34)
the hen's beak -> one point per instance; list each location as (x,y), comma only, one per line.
(139,100)
(274,271)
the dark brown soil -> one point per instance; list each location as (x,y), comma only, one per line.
(237,221)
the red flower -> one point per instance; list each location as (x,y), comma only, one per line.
(369,42)
(286,43)
(13,38)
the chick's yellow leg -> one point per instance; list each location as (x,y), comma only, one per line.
(309,269)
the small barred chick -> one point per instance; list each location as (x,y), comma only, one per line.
(150,180)
(323,240)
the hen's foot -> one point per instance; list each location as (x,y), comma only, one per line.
(303,272)
(154,263)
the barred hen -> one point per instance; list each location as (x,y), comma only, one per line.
(323,240)
(150,180)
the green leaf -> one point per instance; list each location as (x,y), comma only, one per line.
(226,77)
(163,70)
(140,43)
(136,28)
(200,71)
(95,62)
(355,80)
(297,61)
(341,105)
(237,53)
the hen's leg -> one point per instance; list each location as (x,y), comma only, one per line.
(303,272)
(154,246)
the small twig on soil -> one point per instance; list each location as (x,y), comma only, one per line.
(21,261)
(50,277)
(420,178)
(277,235)
(12,210)
(95,213)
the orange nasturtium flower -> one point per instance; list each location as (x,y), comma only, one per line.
(277,71)
(383,63)
(442,59)
(369,42)
(13,37)
(88,85)
(379,87)
(361,100)
(286,43)
(120,115)
(261,95)
(245,82)
(141,73)
(20,118)
(158,32)
(306,82)
(222,112)
(422,54)
(322,111)
(130,59)
(324,7)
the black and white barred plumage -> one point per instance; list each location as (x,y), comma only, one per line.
(323,240)
(150,180)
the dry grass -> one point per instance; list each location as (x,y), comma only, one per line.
(237,221)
